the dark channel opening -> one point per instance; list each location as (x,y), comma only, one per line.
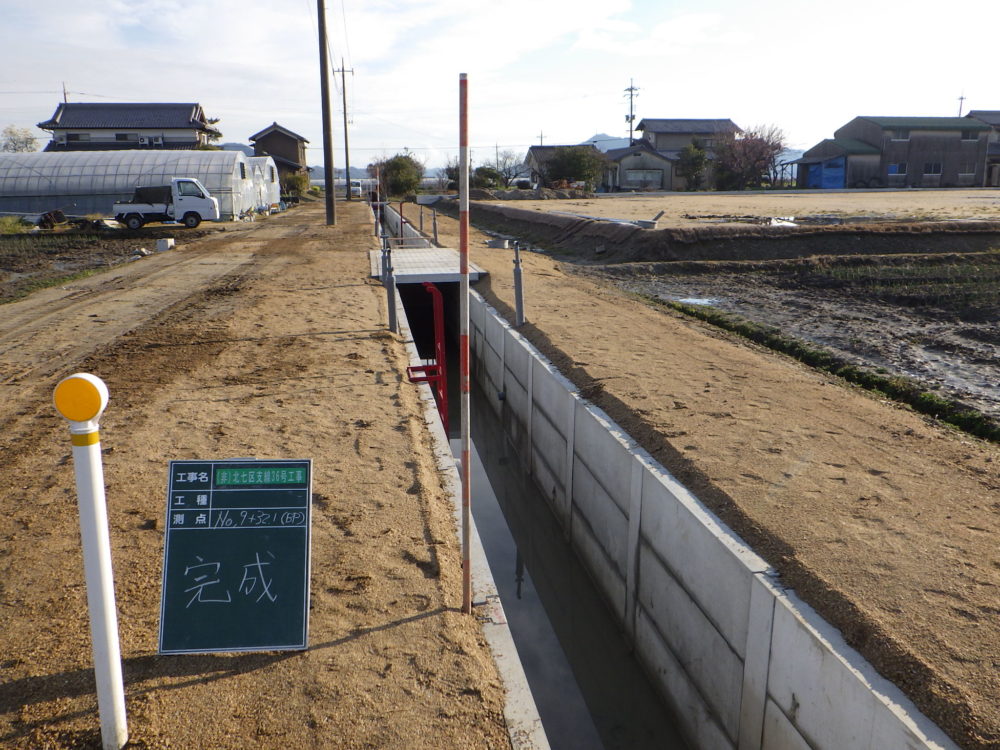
(590,691)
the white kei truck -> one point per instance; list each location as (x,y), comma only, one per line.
(185,200)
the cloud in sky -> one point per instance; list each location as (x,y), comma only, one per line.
(554,69)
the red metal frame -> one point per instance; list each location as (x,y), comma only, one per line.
(436,373)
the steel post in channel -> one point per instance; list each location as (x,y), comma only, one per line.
(518,288)
(390,290)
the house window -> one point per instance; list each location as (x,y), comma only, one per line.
(707,142)
(643,177)
(968,167)
(903,134)
(932,167)
(78,136)
(898,168)
(970,135)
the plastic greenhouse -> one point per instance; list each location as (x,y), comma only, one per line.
(267,181)
(89,182)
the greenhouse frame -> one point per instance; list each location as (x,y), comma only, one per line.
(81,183)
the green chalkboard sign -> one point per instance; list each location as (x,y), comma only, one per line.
(236,556)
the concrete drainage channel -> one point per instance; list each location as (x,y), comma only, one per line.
(741,661)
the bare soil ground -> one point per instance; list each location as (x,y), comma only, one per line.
(268,341)
(701,209)
(883,520)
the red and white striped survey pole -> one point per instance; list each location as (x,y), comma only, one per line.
(463,338)
(81,399)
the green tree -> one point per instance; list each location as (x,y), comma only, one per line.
(576,164)
(399,175)
(748,159)
(213,121)
(295,183)
(691,163)
(486,177)
(17,140)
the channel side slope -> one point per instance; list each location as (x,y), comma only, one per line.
(883,521)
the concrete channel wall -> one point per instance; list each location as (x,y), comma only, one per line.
(745,663)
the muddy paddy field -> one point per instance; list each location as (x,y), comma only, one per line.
(929,317)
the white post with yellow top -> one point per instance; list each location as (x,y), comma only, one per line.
(81,399)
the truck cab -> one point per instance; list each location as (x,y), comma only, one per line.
(185,200)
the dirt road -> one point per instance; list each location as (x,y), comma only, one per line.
(264,341)
(885,522)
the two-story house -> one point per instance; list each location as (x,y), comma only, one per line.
(899,152)
(288,149)
(668,137)
(90,126)
(992,118)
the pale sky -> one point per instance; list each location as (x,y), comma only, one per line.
(555,70)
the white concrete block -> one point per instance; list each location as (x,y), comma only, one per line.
(832,695)
(516,360)
(549,447)
(756,662)
(779,734)
(710,562)
(609,523)
(818,693)
(698,721)
(606,455)
(550,396)
(601,567)
(709,661)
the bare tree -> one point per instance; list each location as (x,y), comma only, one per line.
(510,166)
(748,159)
(17,140)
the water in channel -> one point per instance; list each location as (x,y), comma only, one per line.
(590,692)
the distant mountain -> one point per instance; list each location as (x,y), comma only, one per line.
(605,142)
(318,173)
(248,150)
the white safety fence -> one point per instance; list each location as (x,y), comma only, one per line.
(745,663)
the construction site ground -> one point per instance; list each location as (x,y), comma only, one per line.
(263,340)
(268,340)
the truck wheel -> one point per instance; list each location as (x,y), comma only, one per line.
(133,221)
(191,220)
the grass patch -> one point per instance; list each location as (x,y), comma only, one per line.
(898,388)
(13,225)
(28,287)
(966,287)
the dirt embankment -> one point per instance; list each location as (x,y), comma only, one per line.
(594,240)
(268,342)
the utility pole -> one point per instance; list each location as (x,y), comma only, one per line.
(324,84)
(64,93)
(541,138)
(631,93)
(961,103)
(343,91)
